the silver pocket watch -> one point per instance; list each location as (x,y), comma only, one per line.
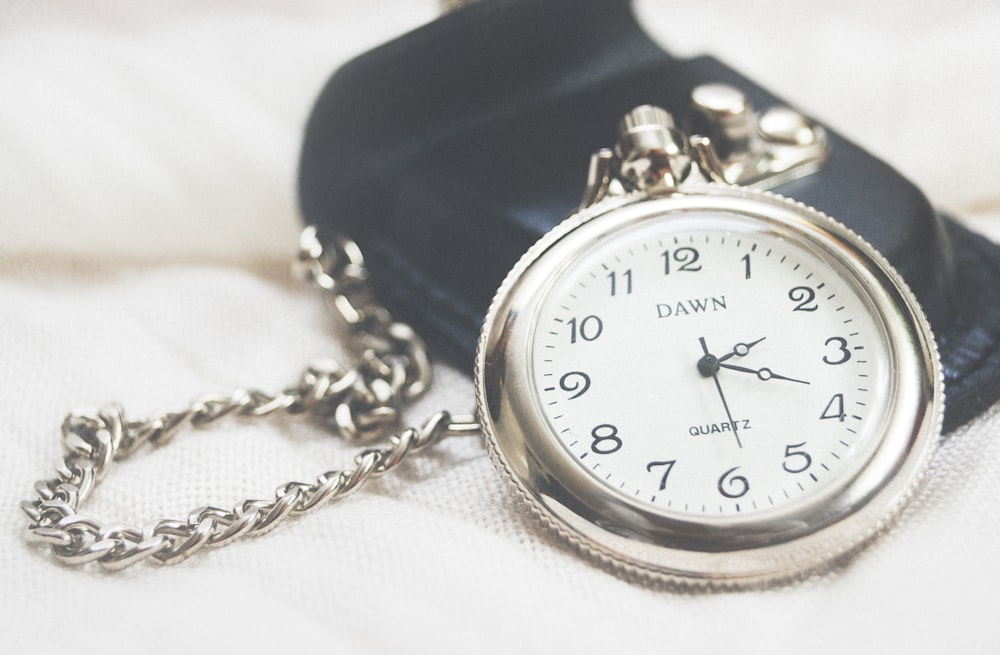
(703,383)
(688,380)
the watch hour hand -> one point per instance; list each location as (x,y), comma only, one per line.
(740,349)
(764,374)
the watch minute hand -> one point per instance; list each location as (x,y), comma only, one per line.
(764,374)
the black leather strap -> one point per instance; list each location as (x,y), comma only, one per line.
(448,152)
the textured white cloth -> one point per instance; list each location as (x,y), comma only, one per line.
(147,163)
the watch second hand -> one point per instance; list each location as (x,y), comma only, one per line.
(764,374)
(709,365)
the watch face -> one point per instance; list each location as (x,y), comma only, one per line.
(722,387)
(710,365)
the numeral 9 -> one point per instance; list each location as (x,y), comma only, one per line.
(575,381)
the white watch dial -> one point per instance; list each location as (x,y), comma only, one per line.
(706,366)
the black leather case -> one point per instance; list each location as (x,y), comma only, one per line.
(447,152)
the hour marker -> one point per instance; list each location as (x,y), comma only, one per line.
(797,267)
(801,488)
(753,248)
(809,276)
(783,258)
(844,443)
(821,285)
(855,417)
(549,389)
(814,478)
(841,308)
(825,467)
(835,454)
(831,296)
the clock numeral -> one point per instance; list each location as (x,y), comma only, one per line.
(686,257)
(796,461)
(746,264)
(606,439)
(843,353)
(669,464)
(627,277)
(804,296)
(737,485)
(577,381)
(835,408)
(590,327)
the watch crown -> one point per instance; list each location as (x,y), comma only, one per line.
(652,151)
(646,117)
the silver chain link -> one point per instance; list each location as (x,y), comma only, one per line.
(362,404)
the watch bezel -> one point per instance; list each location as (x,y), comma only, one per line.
(729,551)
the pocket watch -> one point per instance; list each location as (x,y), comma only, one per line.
(688,380)
(702,383)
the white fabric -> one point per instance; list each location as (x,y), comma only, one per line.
(147,163)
